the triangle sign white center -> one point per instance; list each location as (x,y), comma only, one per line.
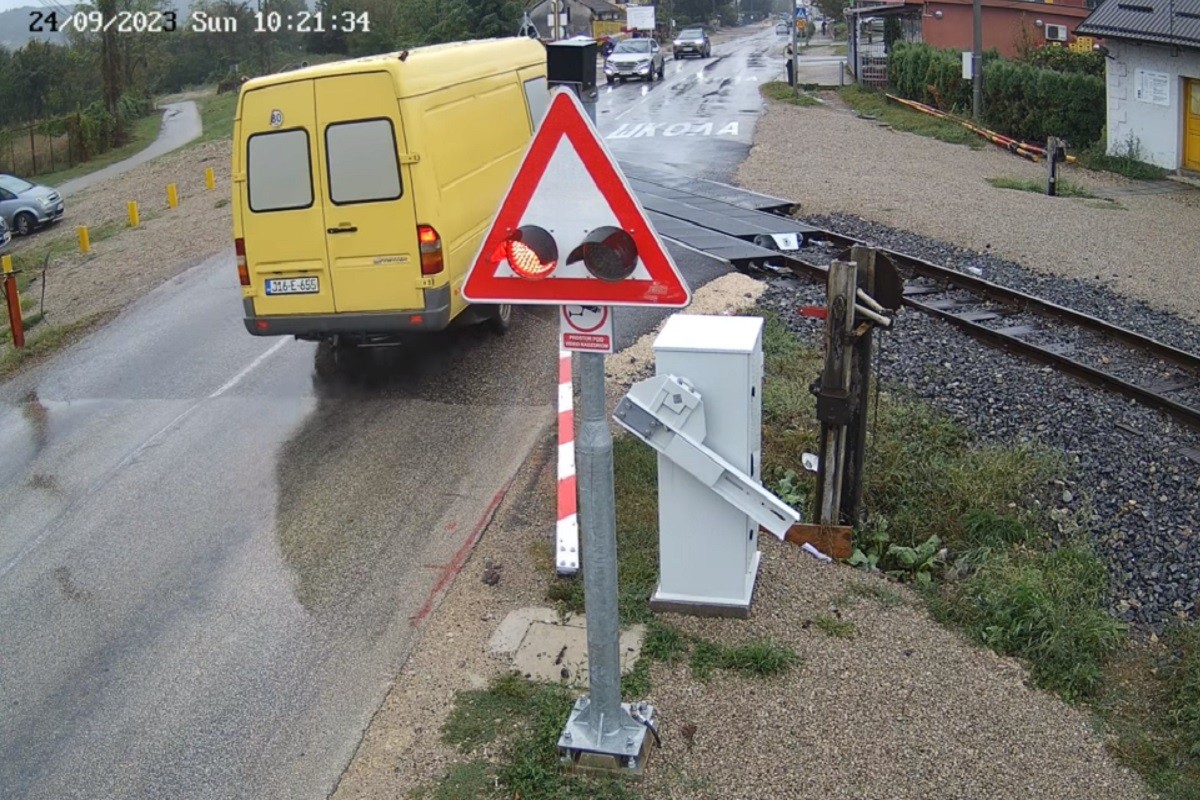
(569,186)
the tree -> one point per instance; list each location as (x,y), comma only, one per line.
(110,57)
(835,10)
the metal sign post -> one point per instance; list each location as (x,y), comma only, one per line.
(570,231)
(601,732)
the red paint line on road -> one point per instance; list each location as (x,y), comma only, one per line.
(460,558)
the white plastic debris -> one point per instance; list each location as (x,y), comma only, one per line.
(808,548)
(810,461)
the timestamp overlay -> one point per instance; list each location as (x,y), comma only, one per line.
(50,21)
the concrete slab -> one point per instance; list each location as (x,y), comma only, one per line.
(549,648)
(513,628)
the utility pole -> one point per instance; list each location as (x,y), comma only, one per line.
(977,63)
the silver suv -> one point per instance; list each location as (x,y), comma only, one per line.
(634,58)
(27,206)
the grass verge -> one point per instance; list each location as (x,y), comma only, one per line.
(216,115)
(874,104)
(1126,164)
(145,131)
(781,91)
(1065,187)
(47,340)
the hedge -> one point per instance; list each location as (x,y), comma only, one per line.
(1019,100)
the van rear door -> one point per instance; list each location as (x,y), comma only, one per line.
(370,217)
(283,220)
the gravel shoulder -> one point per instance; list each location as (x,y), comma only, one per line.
(902,709)
(124,264)
(831,161)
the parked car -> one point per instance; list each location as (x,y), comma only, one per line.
(693,40)
(635,58)
(28,206)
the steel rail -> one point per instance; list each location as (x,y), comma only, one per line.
(1036,306)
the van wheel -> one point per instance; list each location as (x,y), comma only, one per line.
(501,319)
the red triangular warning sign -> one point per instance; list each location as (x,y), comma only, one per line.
(569,185)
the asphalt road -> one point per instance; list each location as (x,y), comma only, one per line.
(216,550)
(699,119)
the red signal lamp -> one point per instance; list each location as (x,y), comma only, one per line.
(531,252)
(609,253)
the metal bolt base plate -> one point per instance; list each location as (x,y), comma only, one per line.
(622,752)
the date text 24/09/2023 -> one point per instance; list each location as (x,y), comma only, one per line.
(199,22)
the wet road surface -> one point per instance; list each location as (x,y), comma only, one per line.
(216,550)
(699,119)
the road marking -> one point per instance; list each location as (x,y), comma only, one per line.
(637,130)
(236,379)
(59,521)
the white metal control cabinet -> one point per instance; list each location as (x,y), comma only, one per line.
(708,549)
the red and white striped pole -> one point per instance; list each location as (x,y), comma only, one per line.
(566,544)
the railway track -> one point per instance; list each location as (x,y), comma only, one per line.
(1115,358)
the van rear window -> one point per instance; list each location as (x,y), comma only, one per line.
(363,165)
(278,177)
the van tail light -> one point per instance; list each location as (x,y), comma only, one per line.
(431,250)
(239,247)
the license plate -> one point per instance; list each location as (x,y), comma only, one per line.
(293,286)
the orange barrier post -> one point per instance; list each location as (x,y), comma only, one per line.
(14,301)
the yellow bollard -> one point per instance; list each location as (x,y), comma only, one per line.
(134,218)
(172,195)
(85,242)
(6,264)
(210,180)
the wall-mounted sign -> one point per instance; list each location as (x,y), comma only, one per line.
(1152,87)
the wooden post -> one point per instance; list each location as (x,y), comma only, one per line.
(860,382)
(1052,146)
(833,395)
(32,152)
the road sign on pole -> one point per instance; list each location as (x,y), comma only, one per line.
(587,329)
(569,198)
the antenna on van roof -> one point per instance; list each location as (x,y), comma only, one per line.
(403,55)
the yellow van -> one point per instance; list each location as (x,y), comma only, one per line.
(362,188)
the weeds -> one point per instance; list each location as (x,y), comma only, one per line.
(1063,187)
(874,590)
(1044,607)
(523,720)
(782,91)
(1126,160)
(874,104)
(764,658)
(837,628)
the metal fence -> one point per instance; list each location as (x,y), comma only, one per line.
(30,151)
(873,71)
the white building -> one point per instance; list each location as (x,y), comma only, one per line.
(1153,67)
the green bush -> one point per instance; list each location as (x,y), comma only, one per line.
(1019,99)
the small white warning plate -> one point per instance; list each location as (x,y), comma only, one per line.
(588,329)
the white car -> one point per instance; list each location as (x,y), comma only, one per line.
(634,58)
